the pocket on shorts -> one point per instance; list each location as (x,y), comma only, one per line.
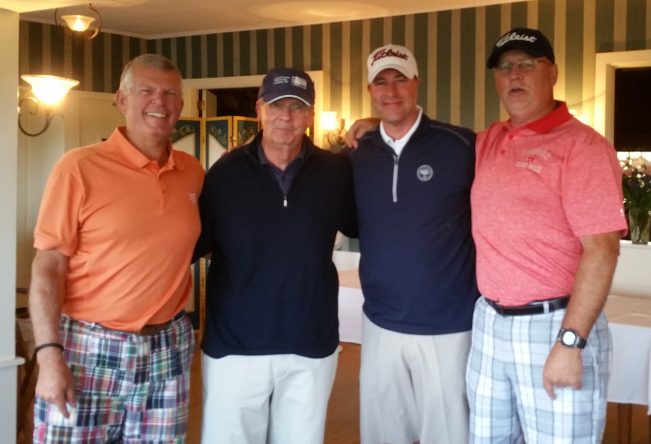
(100,381)
(175,359)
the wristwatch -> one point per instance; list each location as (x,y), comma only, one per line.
(570,338)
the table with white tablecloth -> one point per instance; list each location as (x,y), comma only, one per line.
(629,320)
(350,307)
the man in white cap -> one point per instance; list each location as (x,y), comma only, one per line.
(412,179)
(270,211)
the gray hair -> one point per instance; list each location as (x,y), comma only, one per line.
(155,61)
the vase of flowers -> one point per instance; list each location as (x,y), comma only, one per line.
(636,184)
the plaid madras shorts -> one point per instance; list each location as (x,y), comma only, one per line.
(504,381)
(129,388)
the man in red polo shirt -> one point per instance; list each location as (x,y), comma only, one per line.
(547,218)
(114,238)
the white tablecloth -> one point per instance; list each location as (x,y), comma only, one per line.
(629,320)
(350,296)
(350,306)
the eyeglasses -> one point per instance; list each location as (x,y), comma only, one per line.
(524,65)
(294,107)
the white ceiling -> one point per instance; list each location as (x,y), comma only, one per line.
(169,18)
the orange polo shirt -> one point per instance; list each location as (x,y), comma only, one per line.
(128,227)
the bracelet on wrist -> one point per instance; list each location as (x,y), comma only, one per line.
(46,345)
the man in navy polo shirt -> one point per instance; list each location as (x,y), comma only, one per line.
(270,211)
(412,179)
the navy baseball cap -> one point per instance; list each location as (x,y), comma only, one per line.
(531,41)
(282,83)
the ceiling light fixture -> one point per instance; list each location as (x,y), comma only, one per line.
(79,22)
(47,91)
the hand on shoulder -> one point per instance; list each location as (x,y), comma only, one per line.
(358,129)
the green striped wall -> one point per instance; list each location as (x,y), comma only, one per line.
(451,48)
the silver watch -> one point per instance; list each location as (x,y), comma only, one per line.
(570,338)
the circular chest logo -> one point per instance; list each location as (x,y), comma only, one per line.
(424,173)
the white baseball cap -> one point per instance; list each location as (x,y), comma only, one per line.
(391,57)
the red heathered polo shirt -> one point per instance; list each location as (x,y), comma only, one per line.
(537,189)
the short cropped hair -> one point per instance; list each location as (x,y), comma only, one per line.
(156,61)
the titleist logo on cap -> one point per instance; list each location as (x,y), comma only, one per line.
(295,81)
(388,52)
(515,36)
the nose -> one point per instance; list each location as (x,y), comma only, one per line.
(392,88)
(516,71)
(158,96)
(284,112)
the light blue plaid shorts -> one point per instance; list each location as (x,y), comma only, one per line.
(504,381)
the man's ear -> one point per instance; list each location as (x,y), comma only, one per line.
(120,100)
(554,68)
(258,110)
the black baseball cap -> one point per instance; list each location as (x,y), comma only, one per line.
(531,41)
(282,83)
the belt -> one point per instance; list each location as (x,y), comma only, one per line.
(532,308)
(149,329)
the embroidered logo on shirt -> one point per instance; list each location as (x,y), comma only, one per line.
(533,159)
(424,173)
(193,197)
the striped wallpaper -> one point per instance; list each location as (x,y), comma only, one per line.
(451,48)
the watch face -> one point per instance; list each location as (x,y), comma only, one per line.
(568,338)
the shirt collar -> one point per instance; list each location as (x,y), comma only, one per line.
(265,161)
(557,117)
(122,145)
(404,139)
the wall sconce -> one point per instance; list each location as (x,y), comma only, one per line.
(47,91)
(81,23)
(334,130)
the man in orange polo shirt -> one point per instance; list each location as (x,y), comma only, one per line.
(114,238)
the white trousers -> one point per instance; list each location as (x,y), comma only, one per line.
(268,399)
(412,387)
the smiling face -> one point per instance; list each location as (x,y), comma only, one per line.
(527,94)
(151,105)
(394,98)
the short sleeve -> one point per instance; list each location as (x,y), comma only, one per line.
(591,187)
(57,226)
